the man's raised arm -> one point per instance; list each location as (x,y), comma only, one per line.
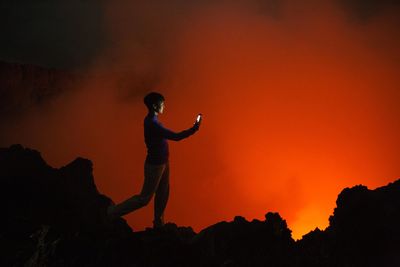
(168,134)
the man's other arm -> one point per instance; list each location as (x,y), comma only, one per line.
(168,134)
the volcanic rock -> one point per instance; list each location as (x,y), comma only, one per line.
(57,217)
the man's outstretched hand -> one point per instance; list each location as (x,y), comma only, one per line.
(196,125)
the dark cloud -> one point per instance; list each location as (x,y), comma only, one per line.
(68,34)
(60,34)
(366,9)
(272,8)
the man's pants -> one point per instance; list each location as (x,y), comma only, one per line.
(156,181)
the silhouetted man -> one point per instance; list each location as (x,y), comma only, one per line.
(156,167)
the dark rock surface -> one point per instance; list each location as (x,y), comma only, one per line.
(56,217)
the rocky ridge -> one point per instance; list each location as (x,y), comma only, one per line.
(56,217)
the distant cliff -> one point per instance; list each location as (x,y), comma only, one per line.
(56,217)
(23,86)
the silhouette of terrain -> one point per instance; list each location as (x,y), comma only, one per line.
(56,217)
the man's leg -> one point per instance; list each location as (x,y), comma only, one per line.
(152,176)
(161,198)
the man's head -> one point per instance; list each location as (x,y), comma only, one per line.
(154,102)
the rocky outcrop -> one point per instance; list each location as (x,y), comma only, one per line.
(363,231)
(56,217)
(48,212)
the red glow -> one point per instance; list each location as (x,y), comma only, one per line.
(294,110)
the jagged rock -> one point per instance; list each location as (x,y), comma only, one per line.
(34,194)
(243,243)
(57,217)
(365,224)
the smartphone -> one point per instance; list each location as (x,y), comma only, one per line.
(198,118)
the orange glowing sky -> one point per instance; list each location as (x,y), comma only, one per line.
(295,109)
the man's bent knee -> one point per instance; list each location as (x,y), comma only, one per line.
(144,200)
